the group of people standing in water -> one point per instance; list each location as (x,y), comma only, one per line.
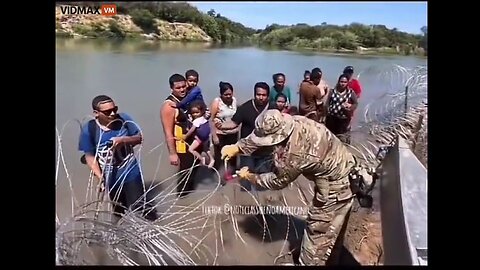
(191,127)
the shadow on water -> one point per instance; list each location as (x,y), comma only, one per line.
(277,227)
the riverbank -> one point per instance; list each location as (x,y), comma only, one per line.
(363,52)
(123,27)
(140,44)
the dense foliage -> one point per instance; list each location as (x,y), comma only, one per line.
(215,25)
(349,37)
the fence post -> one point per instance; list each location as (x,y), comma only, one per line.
(406,100)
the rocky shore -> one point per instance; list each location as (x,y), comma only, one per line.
(94,26)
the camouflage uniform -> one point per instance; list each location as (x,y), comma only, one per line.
(305,147)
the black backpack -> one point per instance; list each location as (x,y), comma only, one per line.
(95,134)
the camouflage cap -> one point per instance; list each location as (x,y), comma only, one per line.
(272,127)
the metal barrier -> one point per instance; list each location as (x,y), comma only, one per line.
(403,199)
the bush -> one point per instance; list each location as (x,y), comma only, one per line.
(116,29)
(144,19)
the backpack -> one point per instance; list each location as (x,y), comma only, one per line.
(95,134)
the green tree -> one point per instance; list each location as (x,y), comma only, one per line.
(423,42)
(211,13)
(143,18)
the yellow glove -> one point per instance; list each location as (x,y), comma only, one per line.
(229,151)
(245,174)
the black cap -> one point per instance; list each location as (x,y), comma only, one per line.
(348,69)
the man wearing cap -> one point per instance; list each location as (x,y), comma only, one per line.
(302,146)
(353,83)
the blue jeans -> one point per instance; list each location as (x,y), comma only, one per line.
(255,164)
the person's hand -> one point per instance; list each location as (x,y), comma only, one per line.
(207,114)
(229,151)
(101,186)
(174,160)
(180,137)
(117,140)
(347,106)
(218,123)
(244,173)
(100,183)
(215,139)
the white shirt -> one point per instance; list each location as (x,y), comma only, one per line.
(199,121)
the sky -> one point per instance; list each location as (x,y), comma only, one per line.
(405,16)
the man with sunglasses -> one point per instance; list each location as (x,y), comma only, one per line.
(107,142)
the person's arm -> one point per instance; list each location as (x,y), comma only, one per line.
(278,180)
(247,146)
(191,96)
(167,115)
(237,119)
(190,132)
(133,136)
(353,104)
(85,145)
(228,125)
(289,96)
(272,95)
(214,111)
(93,165)
(319,98)
(326,99)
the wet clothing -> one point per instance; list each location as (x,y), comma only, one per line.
(131,195)
(338,119)
(313,151)
(336,100)
(340,127)
(120,168)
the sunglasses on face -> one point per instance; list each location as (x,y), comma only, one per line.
(109,111)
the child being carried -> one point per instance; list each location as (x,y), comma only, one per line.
(201,131)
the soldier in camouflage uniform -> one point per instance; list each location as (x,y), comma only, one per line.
(304,147)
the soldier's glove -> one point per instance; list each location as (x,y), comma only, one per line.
(229,151)
(244,173)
